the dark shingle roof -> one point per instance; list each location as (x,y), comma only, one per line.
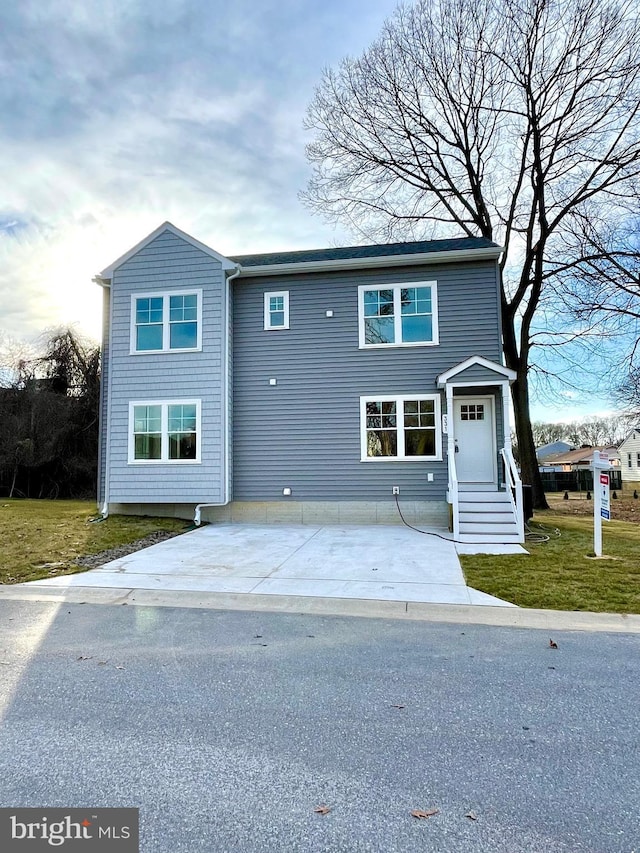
(354,252)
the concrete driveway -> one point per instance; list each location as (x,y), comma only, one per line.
(384,563)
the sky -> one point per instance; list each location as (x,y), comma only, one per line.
(120,114)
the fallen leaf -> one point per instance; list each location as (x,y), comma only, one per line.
(553,644)
(85,657)
(119,667)
(102,662)
(322,810)
(472,815)
(421,813)
(398,706)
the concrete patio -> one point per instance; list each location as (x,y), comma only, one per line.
(383,563)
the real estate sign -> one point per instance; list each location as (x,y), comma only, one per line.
(605,507)
(601,508)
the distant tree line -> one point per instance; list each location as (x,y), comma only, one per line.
(593,431)
(49,402)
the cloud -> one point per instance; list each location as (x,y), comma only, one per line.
(117,116)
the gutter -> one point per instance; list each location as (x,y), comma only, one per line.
(225,398)
(421,258)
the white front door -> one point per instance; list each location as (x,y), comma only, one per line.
(474,431)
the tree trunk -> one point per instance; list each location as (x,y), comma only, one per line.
(13,482)
(530,470)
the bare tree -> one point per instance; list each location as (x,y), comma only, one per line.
(544,433)
(49,419)
(602,286)
(595,431)
(498,118)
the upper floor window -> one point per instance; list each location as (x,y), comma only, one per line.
(164,431)
(398,315)
(629,462)
(276,310)
(400,427)
(163,322)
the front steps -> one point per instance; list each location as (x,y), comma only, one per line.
(486,516)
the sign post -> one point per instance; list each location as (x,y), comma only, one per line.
(601,506)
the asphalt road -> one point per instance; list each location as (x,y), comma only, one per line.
(228,729)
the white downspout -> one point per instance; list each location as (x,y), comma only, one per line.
(225,397)
(105,283)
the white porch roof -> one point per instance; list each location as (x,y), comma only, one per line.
(502,373)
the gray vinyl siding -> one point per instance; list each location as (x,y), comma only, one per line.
(304,432)
(168,263)
(478,373)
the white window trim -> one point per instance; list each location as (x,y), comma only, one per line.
(400,399)
(397,286)
(164,453)
(267,313)
(165,294)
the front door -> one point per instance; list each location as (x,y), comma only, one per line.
(475,439)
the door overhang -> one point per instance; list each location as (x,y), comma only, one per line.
(492,373)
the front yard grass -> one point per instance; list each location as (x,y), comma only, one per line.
(558,574)
(40,538)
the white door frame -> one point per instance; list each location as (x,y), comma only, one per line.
(494,436)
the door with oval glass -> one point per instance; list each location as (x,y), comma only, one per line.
(475,440)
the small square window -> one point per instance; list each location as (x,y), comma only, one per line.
(276,310)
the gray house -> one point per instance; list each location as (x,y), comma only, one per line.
(316,386)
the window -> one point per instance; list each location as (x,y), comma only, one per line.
(276,310)
(405,427)
(163,322)
(638,460)
(164,431)
(629,462)
(398,315)
(472,411)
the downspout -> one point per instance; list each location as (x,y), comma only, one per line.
(105,284)
(225,397)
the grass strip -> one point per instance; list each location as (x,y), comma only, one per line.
(41,538)
(559,575)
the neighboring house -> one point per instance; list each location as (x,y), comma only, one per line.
(629,451)
(578,458)
(572,469)
(308,386)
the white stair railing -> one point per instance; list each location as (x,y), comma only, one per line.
(514,485)
(453,493)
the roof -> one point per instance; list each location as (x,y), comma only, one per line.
(376,250)
(581,456)
(337,258)
(499,369)
(107,272)
(629,435)
(552,449)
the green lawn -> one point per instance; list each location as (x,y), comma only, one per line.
(558,574)
(40,539)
